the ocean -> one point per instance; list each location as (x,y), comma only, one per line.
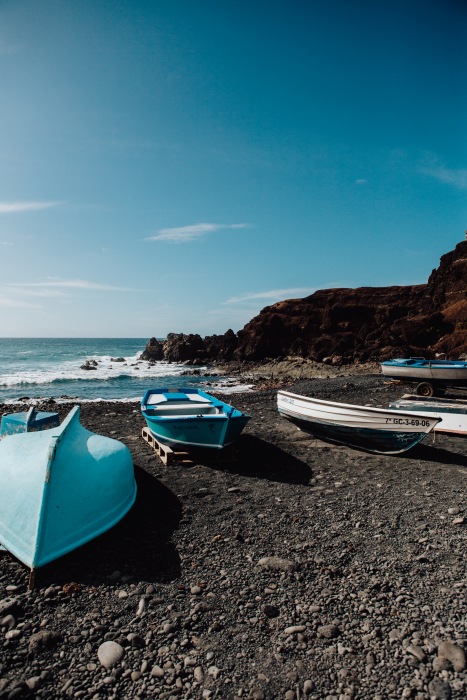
(51,368)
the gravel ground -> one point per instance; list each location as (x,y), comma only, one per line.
(289,568)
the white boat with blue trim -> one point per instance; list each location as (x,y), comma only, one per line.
(377,430)
(433,376)
(191,418)
(452,412)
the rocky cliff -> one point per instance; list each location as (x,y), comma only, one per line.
(348,325)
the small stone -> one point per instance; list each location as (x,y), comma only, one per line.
(109,654)
(294,629)
(277,563)
(8,605)
(34,682)
(328,631)
(141,607)
(441,664)
(43,640)
(308,687)
(198,674)
(13,634)
(439,689)
(195,590)
(417,652)
(454,510)
(8,622)
(157,672)
(454,653)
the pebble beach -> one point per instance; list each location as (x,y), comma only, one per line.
(288,568)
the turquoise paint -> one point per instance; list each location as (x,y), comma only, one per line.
(212,424)
(61,488)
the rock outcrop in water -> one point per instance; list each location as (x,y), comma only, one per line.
(348,325)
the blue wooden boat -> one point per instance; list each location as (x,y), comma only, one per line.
(27,422)
(432,376)
(371,429)
(191,418)
(60,488)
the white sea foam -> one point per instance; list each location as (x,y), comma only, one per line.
(217,388)
(55,370)
(106,368)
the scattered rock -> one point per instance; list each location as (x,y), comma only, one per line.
(454,653)
(277,563)
(109,654)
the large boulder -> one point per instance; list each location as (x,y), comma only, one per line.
(154,351)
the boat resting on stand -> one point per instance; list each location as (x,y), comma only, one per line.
(191,418)
(60,488)
(377,430)
(452,412)
(431,376)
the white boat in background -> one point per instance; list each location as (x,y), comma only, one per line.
(378,430)
(452,412)
(432,376)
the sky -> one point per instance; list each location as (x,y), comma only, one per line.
(178,165)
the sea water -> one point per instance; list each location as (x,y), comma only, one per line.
(51,368)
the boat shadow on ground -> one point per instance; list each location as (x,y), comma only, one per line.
(139,546)
(440,455)
(252,456)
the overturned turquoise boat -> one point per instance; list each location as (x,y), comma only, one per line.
(60,488)
(27,422)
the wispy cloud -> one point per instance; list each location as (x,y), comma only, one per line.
(361,181)
(30,294)
(273,295)
(54,283)
(190,233)
(448,176)
(18,207)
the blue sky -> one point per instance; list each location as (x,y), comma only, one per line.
(175,166)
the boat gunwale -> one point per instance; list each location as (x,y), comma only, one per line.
(353,407)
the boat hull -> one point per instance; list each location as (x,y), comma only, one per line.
(452,412)
(374,430)
(27,422)
(191,418)
(61,488)
(440,372)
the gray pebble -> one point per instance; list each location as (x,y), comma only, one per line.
(439,689)
(109,654)
(277,563)
(454,653)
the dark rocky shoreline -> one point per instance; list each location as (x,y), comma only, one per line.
(289,569)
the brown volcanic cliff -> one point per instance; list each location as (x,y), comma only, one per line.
(354,325)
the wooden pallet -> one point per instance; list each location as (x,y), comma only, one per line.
(165,453)
(169,456)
